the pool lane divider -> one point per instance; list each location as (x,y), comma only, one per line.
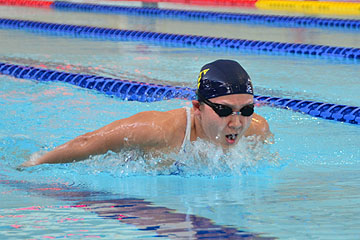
(225,17)
(124,89)
(180,40)
(272,20)
(147,92)
(305,7)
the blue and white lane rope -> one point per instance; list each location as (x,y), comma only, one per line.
(272,20)
(124,89)
(146,92)
(179,40)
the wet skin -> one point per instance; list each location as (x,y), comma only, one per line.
(223,131)
(155,131)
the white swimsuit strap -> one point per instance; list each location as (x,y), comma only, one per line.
(188,127)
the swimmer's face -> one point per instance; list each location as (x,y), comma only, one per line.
(225,131)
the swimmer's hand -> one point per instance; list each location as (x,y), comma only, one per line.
(33,161)
(27,164)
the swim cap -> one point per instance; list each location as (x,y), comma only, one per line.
(223,77)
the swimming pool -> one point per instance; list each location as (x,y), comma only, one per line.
(305,186)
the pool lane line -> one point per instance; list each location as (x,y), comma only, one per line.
(123,89)
(138,212)
(219,3)
(211,16)
(186,41)
(147,92)
(304,7)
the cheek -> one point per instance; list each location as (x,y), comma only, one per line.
(247,122)
(215,125)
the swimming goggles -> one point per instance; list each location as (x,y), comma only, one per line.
(224,111)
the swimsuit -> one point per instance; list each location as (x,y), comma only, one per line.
(177,167)
(188,129)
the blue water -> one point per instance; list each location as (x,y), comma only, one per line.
(304,186)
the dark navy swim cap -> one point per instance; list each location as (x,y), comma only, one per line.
(223,77)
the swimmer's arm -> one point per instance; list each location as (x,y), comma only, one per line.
(80,148)
(130,132)
(259,127)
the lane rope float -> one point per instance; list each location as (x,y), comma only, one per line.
(272,20)
(179,40)
(147,92)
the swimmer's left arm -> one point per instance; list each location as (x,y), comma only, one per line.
(259,127)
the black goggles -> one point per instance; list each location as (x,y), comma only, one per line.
(224,111)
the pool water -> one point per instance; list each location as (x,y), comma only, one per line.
(304,186)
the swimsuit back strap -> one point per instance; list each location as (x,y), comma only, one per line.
(188,128)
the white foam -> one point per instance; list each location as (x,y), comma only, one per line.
(200,159)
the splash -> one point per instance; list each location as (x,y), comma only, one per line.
(204,158)
(200,159)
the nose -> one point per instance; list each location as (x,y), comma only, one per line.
(236,121)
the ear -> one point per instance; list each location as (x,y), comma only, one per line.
(196,107)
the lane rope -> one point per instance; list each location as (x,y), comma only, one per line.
(269,20)
(147,92)
(272,20)
(305,7)
(180,40)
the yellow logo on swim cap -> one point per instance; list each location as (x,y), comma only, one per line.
(201,74)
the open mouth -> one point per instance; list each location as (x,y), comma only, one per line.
(231,138)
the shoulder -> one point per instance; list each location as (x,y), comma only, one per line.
(156,128)
(259,126)
(158,118)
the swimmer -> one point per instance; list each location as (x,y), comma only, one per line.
(222,114)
